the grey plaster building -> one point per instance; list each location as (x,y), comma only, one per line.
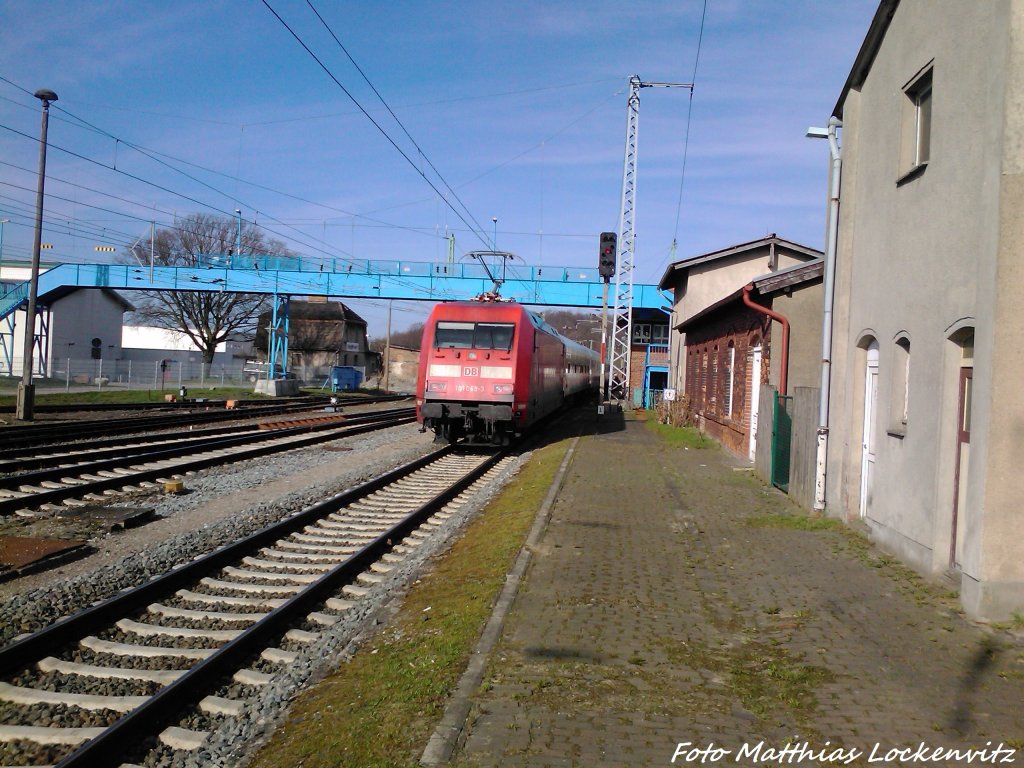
(927,388)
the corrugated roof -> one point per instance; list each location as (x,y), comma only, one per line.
(788,277)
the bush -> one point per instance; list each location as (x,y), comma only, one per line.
(676,413)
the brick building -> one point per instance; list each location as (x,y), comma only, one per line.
(731,349)
(698,282)
(649,358)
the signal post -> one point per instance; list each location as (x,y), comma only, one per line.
(606,269)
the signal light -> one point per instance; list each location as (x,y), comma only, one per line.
(606,255)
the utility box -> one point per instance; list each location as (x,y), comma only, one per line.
(345,378)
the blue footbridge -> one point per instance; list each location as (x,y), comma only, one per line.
(285,277)
(399,280)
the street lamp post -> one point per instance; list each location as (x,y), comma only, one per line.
(2,222)
(238,237)
(26,390)
(829,280)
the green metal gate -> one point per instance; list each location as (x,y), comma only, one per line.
(782,438)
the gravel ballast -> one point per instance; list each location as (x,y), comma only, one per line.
(221,505)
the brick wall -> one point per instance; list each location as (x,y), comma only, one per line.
(719,351)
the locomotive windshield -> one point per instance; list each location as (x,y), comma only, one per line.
(453,335)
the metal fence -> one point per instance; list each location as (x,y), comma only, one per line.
(147,374)
(171,374)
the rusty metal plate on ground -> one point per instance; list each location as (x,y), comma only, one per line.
(19,552)
(303,422)
(113,518)
(337,448)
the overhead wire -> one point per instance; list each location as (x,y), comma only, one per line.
(86,231)
(478,232)
(189,176)
(145,153)
(149,151)
(392,113)
(214,208)
(293,283)
(440,102)
(686,138)
(345,258)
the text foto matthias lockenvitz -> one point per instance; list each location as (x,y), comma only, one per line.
(688,752)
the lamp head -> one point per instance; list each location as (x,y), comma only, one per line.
(817,133)
(44,94)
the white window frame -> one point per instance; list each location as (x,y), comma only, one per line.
(642,333)
(730,370)
(916,120)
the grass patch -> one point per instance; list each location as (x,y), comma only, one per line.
(133,395)
(680,437)
(381,707)
(794,522)
(761,675)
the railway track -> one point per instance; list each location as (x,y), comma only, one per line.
(201,640)
(82,477)
(17,439)
(150,406)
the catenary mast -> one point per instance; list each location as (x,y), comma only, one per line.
(622,309)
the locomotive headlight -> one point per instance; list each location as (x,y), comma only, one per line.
(503,389)
(437,386)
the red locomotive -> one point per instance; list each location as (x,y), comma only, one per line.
(488,371)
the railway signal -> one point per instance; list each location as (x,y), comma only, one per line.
(605,268)
(606,258)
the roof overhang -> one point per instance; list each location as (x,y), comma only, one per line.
(868,51)
(798,250)
(764,286)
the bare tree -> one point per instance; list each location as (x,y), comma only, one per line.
(208,317)
(584,328)
(410,338)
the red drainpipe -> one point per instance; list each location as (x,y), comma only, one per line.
(784,363)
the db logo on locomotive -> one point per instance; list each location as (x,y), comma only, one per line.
(468,371)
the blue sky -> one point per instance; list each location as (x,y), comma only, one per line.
(520,106)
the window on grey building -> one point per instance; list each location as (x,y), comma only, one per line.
(899,405)
(916,118)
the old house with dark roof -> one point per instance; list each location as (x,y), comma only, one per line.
(321,334)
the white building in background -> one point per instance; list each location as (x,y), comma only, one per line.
(82,337)
(140,339)
(146,346)
(77,323)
